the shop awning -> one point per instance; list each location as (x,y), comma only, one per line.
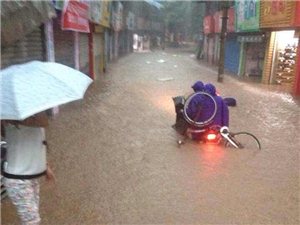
(19,18)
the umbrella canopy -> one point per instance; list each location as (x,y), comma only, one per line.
(33,87)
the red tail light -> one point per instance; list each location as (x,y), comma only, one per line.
(211,137)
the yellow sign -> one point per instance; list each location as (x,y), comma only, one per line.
(279,13)
(105,15)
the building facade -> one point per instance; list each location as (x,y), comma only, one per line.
(262,41)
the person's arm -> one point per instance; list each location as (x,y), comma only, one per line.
(37,120)
(225,116)
(50,174)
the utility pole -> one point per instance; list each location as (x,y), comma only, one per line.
(222,43)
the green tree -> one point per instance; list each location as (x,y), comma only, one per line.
(185,17)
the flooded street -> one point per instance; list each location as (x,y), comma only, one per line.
(117,161)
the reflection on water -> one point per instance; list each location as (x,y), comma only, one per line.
(287,98)
(211,158)
(282,93)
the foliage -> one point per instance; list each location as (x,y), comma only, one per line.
(145,10)
(184,17)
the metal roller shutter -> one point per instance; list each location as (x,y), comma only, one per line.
(98,53)
(63,45)
(29,48)
(84,53)
(232,55)
(211,47)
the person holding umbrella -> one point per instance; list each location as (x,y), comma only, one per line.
(26,90)
(25,163)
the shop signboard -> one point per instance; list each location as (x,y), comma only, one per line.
(95,11)
(75,16)
(208,25)
(247,15)
(230,22)
(277,14)
(105,13)
(218,21)
(100,12)
(250,38)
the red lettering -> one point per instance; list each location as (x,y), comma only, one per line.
(277,7)
(281,6)
(274,7)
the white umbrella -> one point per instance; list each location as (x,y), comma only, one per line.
(33,87)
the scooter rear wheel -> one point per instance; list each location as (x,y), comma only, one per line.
(208,104)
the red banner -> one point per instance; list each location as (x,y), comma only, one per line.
(75,16)
(230,21)
(218,21)
(208,25)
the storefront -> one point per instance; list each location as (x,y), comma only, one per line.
(99,16)
(23,37)
(70,31)
(209,38)
(284,59)
(252,41)
(232,46)
(30,47)
(232,54)
(98,50)
(280,19)
(117,25)
(83,52)
(64,42)
(210,48)
(105,23)
(122,42)
(139,37)
(251,55)
(131,24)
(111,45)
(296,89)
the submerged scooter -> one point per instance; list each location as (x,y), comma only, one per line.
(194,128)
(203,130)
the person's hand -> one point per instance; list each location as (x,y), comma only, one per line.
(50,175)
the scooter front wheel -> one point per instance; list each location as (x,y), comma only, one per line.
(244,140)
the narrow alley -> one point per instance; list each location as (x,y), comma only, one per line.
(116,158)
